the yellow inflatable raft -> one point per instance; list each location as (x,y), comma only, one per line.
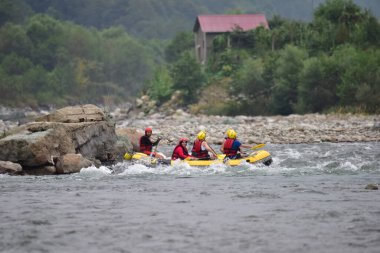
(260,156)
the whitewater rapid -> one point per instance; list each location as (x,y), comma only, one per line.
(312,198)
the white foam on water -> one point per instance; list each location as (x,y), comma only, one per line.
(4,175)
(348,166)
(293,160)
(327,154)
(184,169)
(292,153)
(136,169)
(178,168)
(95,172)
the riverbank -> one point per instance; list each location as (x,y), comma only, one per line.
(71,138)
(292,129)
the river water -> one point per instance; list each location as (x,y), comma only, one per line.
(311,199)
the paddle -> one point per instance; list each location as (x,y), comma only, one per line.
(154,151)
(245,154)
(213,151)
(255,147)
(258,146)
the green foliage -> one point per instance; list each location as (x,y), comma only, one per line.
(151,19)
(46,35)
(14,64)
(283,32)
(276,75)
(367,34)
(262,41)
(317,85)
(227,62)
(287,75)
(183,41)
(188,77)
(13,39)
(46,61)
(13,11)
(220,43)
(360,76)
(161,85)
(249,80)
(342,21)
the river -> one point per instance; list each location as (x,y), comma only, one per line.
(311,199)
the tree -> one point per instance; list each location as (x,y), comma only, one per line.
(367,33)
(160,87)
(360,75)
(251,89)
(46,34)
(183,41)
(289,67)
(188,77)
(336,21)
(14,11)
(13,39)
(317,86)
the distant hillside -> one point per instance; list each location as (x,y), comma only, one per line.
(152,19)
(60,52)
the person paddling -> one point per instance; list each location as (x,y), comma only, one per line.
(146,144)
(201,149)
(231,146)
(180,151)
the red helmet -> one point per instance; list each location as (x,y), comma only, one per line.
(183,140)
(148,129)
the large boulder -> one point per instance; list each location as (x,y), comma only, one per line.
(123,145)
(131,134)
(75,114)
(35,144)
(79,129)
(71,163)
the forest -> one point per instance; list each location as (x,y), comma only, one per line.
(317,56)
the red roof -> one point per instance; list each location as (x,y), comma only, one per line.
(227,23)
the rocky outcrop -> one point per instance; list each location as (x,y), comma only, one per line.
(75,114)
(35,144)
(81,130)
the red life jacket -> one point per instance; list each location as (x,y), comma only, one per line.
(197,149)
(176,152)
(145,147)
(227,148)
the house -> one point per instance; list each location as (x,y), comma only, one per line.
(207,27)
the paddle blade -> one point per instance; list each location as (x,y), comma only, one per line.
(221,156)
(258,146)
(127,156)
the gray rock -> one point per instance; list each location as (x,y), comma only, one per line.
(376,124)
(71,163)
(9,167)
(132,135)
(34,144)
(123,145)
(308,128)
(75,114)
(40,171)
(372,187)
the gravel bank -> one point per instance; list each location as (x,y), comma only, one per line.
(310,128)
